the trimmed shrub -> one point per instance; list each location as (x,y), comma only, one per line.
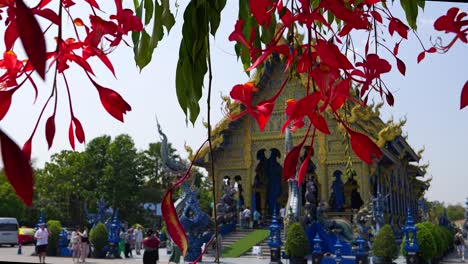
(384,245)
(296,244)
(438,238)
(54,228)
(98,238)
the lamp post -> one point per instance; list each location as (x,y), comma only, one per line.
(411,243)
(114,234)
(274,241)
(362,256)
(317,253)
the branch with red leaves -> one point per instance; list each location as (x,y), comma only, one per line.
(96,38)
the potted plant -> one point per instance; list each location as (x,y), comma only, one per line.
(98,238)
(384,247)
(297,245)
(54,227)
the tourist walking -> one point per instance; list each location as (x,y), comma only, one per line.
(246,215)
(42,239)
(459,242)
(75,241)
(138,239)
(84,244)
(151,247)
(175,253)
(256,218)
(127,251)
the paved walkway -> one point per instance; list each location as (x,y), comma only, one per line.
(10,255)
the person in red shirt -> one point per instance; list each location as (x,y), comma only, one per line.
(151,247)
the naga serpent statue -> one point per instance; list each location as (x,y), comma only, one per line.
(197,224)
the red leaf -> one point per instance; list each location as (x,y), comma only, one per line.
(50,130)
(93,3)
(17,169)
(390,99)
(302,107)
(113,102)
(304,166)
(71,136)
(48,14)
(377,16)
(290,162)
(32,37)
(27,148)
(11,35)
(431,50)
(464,96)
(421,56)
(5,102)
(302,172)
(363,146)
(396,48)
(43,3)
(401,66)
(79,130)
(320,123)
(106,61)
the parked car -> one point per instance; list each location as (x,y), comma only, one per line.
(26,235)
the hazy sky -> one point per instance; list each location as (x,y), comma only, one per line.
(428,96)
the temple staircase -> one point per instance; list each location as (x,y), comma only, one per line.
(265,249)
(229,240)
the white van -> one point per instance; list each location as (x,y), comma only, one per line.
(8,231)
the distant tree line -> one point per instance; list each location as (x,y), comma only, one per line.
(112,169)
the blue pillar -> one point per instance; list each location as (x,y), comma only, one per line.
(274,241)
(317,253)
(41,219)
(114,234)
(411,243)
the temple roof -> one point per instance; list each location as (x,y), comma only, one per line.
(388,136)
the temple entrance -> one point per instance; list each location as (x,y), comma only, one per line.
(268,189)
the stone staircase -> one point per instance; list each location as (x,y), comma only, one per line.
(229,239)
(265,249)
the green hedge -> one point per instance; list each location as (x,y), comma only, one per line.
(384,245)
(98,238)
(296,244)
(54,228)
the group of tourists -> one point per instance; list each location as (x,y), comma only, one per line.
(247,215)
(131,239)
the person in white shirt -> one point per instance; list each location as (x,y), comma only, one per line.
(138,239)
(246,214)
(42,239)
(76,244)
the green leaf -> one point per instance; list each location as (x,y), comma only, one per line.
(269,32)
(136,35)
(161,16)
(167,18)
(214,11)
(144,51)
(148,10)
(411,10)
(330,17)
(192,64)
